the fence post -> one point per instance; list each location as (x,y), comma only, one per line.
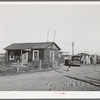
(40,65)
(56,64)
(18,66)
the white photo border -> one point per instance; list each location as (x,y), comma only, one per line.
(50,94)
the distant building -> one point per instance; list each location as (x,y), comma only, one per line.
(88,59)
(28,52)
(63,56)
(98,59)
(2,56)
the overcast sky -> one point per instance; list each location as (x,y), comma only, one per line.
(73,23)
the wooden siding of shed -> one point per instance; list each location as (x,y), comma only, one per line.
(41,54)
(47,53)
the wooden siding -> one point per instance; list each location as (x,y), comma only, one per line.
(41,54)
(53,46)
(47,54)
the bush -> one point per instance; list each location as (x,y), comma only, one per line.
(47,65)
(33,65)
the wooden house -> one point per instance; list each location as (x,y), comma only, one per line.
(28,52)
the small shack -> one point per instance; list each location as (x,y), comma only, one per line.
(28,52)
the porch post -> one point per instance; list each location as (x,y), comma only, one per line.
(40,64)
(18,66)
(21,55)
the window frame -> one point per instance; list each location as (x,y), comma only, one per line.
(53,56)
(37,55)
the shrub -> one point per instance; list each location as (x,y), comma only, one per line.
(47,65)
(33,65)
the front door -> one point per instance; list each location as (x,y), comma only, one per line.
(25,58)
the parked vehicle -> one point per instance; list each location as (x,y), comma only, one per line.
(75,61)
(67,62)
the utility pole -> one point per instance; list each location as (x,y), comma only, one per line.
(73,48)
(54,36)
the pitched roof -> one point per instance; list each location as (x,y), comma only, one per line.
(23,46)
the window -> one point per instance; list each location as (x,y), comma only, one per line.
(51,55)
(35,55)
(11,56)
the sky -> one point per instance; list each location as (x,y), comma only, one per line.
(73,23)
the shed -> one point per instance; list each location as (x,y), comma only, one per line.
(28,52)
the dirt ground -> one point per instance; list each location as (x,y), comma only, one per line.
(84,78)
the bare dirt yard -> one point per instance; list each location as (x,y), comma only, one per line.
(84,78)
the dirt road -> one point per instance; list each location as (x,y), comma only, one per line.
(85,78)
